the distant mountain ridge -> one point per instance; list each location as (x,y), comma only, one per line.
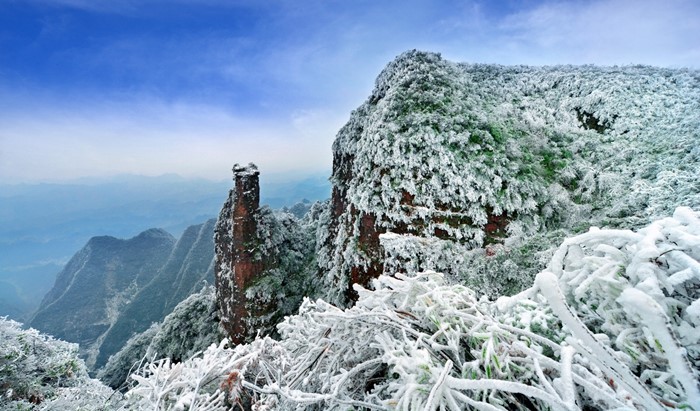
(37,241)
(112,289)
(97,283)
(187,269)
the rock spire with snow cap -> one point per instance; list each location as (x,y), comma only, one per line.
(264,261)
(237,265)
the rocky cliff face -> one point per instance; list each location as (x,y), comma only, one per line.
(97,283)
(264,260)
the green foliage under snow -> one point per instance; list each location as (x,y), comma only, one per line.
(440,147)
(290,276)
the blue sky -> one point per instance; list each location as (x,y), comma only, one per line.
(103,87)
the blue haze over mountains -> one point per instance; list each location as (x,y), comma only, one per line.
(43,225)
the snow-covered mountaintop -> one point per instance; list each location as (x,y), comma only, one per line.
(484,155)
(533,142)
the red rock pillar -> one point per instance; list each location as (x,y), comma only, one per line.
(237,265)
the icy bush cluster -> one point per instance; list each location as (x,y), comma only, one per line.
(611,323)
(40,372)
(496,270)
(426,132)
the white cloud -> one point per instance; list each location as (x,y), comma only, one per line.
(152,138)
(657,32)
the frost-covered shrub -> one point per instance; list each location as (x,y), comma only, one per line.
(289,244)
(636,300)
(496,270)
(89,395)
(40,372)
(612,323)
(189,329)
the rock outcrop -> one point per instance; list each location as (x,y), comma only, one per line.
(265,261)
(238,261)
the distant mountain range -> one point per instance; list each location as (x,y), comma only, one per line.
(188,268)
(42,225)
(112,288)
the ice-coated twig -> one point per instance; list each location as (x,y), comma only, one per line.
(508,386)
(430,402)
(567,381)
(651,314)
(548,286)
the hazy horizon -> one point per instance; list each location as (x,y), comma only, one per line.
(90,180)
(43,225)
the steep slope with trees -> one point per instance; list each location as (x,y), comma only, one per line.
(187,269)
(96,285)
(473,156)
